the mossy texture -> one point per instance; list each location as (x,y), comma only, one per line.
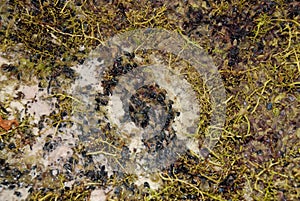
(256,48)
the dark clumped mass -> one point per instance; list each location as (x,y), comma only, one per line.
(140,103)
(256,48)
(139,108)
(121,66)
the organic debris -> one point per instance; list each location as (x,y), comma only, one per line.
(256,48)
(8,124)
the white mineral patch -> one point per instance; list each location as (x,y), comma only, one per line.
(98,195)
(89,74)
(29,91)
(7,89)
(9,195)
(37,105)
(115,106)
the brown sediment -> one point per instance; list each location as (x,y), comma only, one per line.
(7,124)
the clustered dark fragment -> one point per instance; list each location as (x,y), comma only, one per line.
(15,175)
(53,81)
(99,175)
(128,186)
(141,102)
(11,69)
(122,65)
(51,144)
